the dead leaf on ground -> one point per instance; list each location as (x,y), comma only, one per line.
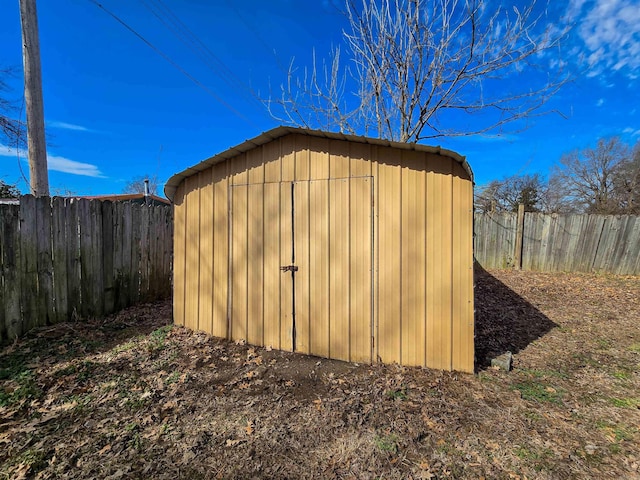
(232,442)
(249,428)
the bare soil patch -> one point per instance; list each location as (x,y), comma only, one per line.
(131,397)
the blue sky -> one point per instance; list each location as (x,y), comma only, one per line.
(115,109)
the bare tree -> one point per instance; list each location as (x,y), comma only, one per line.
(63,191)
(589,176)
(486,197)
(417,66)
(12,130)
(555,198)
(509,193)
(8,190)
(627,184)
(136,185)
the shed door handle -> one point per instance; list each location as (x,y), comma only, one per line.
(289,268)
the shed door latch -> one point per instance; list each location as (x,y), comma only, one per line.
(289,268)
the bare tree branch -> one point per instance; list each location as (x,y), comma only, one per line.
(627,184)
(416,65)
(136,185)
(507,194)
(594,179)
(12,129)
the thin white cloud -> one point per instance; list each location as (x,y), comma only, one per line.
(489,138)
(600,102)
(6,151)
(608,30)
(57,163)
(68,126)
(632,132)
(575,8)
(62,164)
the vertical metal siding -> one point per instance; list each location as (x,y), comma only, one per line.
(438,261)
(192,252)
(301,260)
(362,246)
(389,247)
(271,159)
(255,264)
(319,256)
(288,159)
(318,158)
(319,265)
(286,287)
(179,255)
(462,267)
(221,250)
(272,237)
(382,243)
(302,158)
(338,269)
(205,284)
(238,275)
(413,253)
(333,256)
(360,288)
(301,243)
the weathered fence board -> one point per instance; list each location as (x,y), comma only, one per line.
(154,219)
(12,321)
(144,248)
(118,262)
(495,238)
(553,242)
(95,209)
(127,240)
(86,254)
(29,265)
(107,257)
(136,254)
(629,263)
(67,259)
(73,259)
(60,264)
(44,260)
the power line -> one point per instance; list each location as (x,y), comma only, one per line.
(253,30)
(181,31)
(173,63)
(18,143)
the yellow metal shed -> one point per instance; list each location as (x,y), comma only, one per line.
(327,244)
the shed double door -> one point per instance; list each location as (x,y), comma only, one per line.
(301,266)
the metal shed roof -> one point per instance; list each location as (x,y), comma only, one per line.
(172,184)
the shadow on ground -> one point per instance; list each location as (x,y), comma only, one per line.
(505,322)
(64,342)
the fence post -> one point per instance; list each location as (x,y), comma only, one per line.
(519,237)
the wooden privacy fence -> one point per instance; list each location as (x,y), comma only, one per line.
(67,258)
(555,243)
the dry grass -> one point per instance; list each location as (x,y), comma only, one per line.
(128,397)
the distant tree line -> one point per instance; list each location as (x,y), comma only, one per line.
(8,190)
(604,179)
(136,184)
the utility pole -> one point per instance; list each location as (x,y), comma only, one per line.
(33,99)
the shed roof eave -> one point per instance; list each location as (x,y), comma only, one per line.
(172,184)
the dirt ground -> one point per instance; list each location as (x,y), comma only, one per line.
(130,397)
